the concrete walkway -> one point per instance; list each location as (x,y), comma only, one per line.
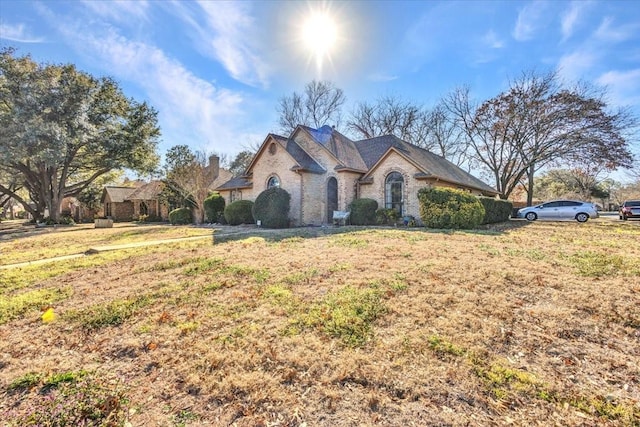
(100,249)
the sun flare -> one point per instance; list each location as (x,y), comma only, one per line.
(319,36)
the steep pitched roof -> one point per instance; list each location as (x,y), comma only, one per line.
(302,158)
(116,194)
(149,191)
(432,165)
(363,155)
(343,148)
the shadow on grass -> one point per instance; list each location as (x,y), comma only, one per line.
(277,235)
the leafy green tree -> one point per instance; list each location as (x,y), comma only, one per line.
(61,129)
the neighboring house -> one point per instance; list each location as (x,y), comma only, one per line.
(146,202)
(324,171)
(127,203)
(115,203)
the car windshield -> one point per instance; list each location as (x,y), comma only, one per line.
(632,203)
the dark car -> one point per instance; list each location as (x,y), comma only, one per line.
(629,209)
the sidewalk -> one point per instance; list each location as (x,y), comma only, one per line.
(100,249)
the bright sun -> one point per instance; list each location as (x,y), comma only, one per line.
(319,35)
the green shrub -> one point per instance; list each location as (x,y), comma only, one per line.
(495,210)
(363,212)
(180,216)
(214,207)
(387,216)
(239,212)
(449,208)
(271,208)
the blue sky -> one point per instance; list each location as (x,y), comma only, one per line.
(216,70)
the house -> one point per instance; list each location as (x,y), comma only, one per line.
(325,171)
(127,203)
(115,203)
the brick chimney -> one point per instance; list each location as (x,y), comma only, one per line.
(214,166)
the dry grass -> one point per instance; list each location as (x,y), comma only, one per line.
(49,242)
(523,324)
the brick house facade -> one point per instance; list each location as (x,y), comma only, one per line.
(324,171)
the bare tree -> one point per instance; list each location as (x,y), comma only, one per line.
(189,175)
(536,123)
(445,137)
(391,116)
(320,104)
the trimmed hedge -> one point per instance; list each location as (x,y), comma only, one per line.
(239,212)
(214,207)
(495,210)
(180,216)
(387,216)
(363,212)
(448,208)
(271,208)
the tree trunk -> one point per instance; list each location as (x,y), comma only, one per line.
(530,184)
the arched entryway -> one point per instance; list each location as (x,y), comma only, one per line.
(393,192)
(332,198)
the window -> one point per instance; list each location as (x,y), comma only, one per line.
(273,148)
(107,209)
(393,191)
(144,209)
(274,181)
(235,195)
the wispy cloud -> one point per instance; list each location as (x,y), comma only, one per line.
(608,31)
(191,110)
(119,10)
(190,107)
(381,77)
(570,19)
(623,86)
(18,33)
(492,40)
(225,31)
(574,66)
(528,21)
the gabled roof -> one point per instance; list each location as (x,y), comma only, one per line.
(303,159)
(116,194)
(343,149)
(430,164)
(364,156)
(149,191)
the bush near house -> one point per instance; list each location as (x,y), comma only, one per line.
(363,212)
(239,212)
(214,207)
(448,208)
(180,216)
(495,210)
(271,208)
(387,216)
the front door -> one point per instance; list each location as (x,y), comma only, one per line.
(332,198)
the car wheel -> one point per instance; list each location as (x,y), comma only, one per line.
(531,216)
(582,217)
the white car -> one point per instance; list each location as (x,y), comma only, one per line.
(560,209)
